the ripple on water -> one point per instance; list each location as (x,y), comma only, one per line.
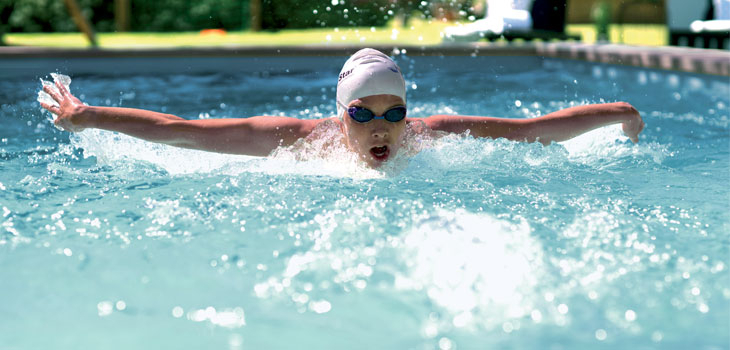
(458,241)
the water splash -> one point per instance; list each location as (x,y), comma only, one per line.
(480,269)
(44,97)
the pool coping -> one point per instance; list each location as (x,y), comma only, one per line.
(692,60)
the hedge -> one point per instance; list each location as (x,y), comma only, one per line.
(182,15)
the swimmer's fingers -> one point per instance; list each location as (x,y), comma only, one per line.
(51,108)
(62,89)
(641,128)
(55,94)
(66,94)
(633,129)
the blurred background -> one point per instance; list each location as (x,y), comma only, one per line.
(164,23)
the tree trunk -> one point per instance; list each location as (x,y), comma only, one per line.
(255,7)
(121,15)
(81,22)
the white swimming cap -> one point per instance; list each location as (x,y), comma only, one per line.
(368,72)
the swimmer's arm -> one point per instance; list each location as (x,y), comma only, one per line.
(256,136)
(554,127)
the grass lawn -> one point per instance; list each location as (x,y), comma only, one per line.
(418,32)
(631,34)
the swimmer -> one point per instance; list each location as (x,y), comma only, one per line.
(371,113)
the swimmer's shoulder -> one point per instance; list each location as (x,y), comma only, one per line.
(324,122)
(310,126)
(421,121)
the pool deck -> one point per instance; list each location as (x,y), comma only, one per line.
(703,61)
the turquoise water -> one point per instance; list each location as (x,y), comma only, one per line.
(113,243)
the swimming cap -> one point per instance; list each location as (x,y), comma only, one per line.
(368,72)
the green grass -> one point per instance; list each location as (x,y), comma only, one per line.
(419,32)
(632,34)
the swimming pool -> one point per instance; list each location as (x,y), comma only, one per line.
(110,242)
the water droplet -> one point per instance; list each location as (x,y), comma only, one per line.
(601,334)
(536,316)
(445,344)
(630,315)
(703,308)
(320,307)
(104,308)
(430,330)
(177,312)
(235,341)
(657,336)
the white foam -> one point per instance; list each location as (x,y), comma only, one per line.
(472,264)
(110,148)
(610,143)
(44,97)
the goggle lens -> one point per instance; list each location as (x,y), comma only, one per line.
(364,115)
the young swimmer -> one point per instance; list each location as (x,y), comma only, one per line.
(371,109)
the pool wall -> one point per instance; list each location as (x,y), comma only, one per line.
(21,61)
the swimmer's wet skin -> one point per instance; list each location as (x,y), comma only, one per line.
(370,81)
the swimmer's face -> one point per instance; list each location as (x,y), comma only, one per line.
(378,140)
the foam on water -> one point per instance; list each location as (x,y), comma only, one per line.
(457,243)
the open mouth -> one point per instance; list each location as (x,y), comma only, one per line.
(380,153)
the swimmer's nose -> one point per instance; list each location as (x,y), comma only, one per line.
(380,133)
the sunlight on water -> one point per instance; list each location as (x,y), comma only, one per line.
(480,269)
(457,242)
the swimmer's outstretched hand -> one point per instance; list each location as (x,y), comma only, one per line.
(68,108)
(634,125)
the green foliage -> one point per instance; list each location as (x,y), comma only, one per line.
(291,14)
(182,15)
(51,15)
(145,15)
(277,14)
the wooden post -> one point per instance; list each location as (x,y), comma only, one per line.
(255,8)
(121,15)
(81,22)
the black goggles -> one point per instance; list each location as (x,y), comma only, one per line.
(364,115)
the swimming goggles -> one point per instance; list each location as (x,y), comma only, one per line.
(364,115)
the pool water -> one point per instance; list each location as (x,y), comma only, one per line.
(114,243)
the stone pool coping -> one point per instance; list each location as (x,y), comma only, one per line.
(703,61)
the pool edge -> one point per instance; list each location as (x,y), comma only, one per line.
(692,60)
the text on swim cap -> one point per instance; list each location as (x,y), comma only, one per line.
(344,74)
